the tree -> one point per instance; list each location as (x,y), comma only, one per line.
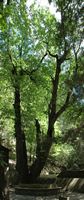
(66,30)
(29,36)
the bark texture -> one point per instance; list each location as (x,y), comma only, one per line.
(21,152)
(40,161)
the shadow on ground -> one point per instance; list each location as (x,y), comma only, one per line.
(76,196)
(72,195)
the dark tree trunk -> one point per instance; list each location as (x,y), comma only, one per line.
(1,6)
(42,152)
(38,137)
(4,193)
(8,2)
(2,185)
(40,161)
(21,153)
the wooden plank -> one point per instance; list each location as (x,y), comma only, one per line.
(37,191)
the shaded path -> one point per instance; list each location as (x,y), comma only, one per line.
(72,195)
(76,196)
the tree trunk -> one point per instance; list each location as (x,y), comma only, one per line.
(4,193)
(40,161)
(21,153)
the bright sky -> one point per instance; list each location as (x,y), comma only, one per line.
(41,2)
(44,3)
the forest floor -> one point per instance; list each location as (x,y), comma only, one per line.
(71,195)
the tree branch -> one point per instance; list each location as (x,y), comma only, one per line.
(53,101)
(63,108)
(8,2)
(66,6)
(52,55)
(64,56)
(26,72)
(37,124)
(35,69)
(11,59)
(20,51)
(14,71)
(38,137)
